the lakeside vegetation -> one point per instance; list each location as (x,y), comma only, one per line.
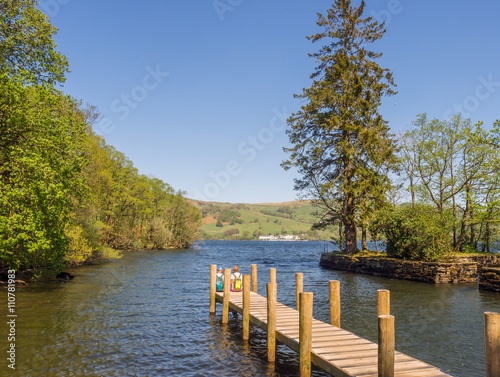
(356,172)
(67,197)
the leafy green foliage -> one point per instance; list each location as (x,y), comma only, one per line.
(26,46)
(417,233)
(40,166)
(227,215)
(131,211)
(455,166)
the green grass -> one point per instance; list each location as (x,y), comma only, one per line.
(300,223)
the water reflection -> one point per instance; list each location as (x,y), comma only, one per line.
(147,315)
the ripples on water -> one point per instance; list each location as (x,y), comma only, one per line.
(147,315)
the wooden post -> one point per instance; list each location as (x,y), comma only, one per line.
(386,344)
(305,332)
(492,342)
(334,302)
(213,273)
(383,302)
(225,300)
(299,287)
(272,275)
(254,278)
(271,322)
(246,307)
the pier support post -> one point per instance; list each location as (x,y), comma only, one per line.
(271,322)
(225,300)
(305,332)
(299,287)
(383,302)
(334,302)
(246,307)
(492,343)
(254,278)
(386,344)
(272,275)
(213,273)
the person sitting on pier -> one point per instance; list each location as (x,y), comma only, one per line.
(219,280)
(236,285)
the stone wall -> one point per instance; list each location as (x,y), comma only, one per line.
(489,279)
(432,272)
(487,260)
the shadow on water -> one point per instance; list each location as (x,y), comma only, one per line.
(147,315)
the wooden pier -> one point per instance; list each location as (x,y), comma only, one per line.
(337,351)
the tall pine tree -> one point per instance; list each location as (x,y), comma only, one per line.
(341,144)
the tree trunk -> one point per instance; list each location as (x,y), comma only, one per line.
(412,190)
(364,246)
(351,242)
(464,219)
(350,229)
(341,238)
(472,230)
(454,205)
(487,237)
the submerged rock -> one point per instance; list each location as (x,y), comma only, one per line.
(65,276)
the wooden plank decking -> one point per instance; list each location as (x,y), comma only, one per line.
(337,351)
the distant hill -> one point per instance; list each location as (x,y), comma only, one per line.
(248,221)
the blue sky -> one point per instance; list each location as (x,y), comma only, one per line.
(196,93)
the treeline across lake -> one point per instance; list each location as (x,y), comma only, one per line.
(65,195)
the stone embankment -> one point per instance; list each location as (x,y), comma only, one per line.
(458,270)
(489,279)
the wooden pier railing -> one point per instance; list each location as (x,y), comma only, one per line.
(337,351)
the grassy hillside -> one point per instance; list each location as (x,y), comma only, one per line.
(248,221)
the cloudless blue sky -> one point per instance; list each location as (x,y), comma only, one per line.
(196,92)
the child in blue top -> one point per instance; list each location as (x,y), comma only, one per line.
(219,280)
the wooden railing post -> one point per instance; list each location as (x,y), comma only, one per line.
(225,300)
(271,322)
(272,275)
(386,344)
(492,343)
(254,278)
(305,332)
(246,307)
(334,302)
(383,302)
(213,277)
(299,287)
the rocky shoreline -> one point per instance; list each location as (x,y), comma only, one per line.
(467,269)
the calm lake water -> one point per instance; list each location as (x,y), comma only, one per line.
(147,314)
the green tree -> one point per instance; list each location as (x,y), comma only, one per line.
(453,165)
(41,161)
(132,211)
(26,45)
(183,220)
(341,144)
(415,232)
